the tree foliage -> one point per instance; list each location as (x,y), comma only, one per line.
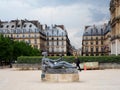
(10,50)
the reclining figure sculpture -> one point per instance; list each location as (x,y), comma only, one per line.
(54,64)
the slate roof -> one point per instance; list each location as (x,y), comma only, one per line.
(97,30)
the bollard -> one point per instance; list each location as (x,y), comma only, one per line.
(85,68)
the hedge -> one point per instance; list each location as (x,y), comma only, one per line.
(70,59)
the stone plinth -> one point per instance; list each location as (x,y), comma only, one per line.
(61,77)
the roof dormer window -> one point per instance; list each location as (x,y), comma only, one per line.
(30,25)
(18,25)
(12,26)
(1,26)
(7,26)
(25,25)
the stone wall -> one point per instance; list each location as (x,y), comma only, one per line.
(88,65)
(27,66)
(109,66)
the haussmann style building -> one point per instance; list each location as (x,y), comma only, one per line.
(58,42)
(53,40)
(23,30)
(96,40)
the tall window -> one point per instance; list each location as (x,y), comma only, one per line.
(23,35)
(96,49)
(96,42)
(91,43)
(86,43)
(57,43)
(35,41)
(102,42)
(96,31)
(29,41)
(91,31)
(101,31)
(92,50)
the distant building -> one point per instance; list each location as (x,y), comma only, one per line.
(93,40)
(23,30)
(58,42)
(53,39)
(115,26)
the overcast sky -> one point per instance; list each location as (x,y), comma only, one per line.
(74,14)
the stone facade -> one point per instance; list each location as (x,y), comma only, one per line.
(23,30)
(115,26)
(54,40)
(58,42)
(93,40)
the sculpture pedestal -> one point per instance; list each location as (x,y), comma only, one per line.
(61,77)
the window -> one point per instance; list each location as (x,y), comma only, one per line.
(101,31)
(96,49)
(91,38)
(1,26)
(35,30)
(35,46)
(102,42)
(91,43)
(62,43)
(62,33)
(91,49)
(96,31)
(96,42)
(47,33)
(102,38)
(91,31)
(7,26)
(29,41)
(25,25)
(18,25)
(86,43)
(12,26)
(96,38)
(57,32)
(52,49)
(23,35)
(29,35)
(52,38)
(35,41)
(57,43)
(35,36)
(48,43)
(17,36)
(30,25)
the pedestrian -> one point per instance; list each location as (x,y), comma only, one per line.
(77,61)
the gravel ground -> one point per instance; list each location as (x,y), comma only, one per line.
(11,79)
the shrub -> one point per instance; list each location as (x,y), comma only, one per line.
(70,59)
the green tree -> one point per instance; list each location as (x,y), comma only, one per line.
(10,50)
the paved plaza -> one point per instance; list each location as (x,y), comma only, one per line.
(30,80)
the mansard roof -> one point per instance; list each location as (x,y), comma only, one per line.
(56,31)
(97,30)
